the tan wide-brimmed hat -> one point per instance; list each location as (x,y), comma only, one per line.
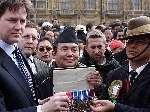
(137,27)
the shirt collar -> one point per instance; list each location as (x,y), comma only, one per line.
(139,69)
(7,47)
(31,59)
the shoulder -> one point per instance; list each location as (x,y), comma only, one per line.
(118,73)
(39,62)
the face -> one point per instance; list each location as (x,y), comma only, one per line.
(135,47)
(96,48)
(12,25)
(55,22)
(67,55)
(119,35)
(28,42)
(108,34)
(116,29)
(44,51)
(50,35)
(56,34)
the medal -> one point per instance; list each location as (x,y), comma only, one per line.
(81,100)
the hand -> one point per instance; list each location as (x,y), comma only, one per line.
(41,102)
(58,102)
(103,106)
(94,79)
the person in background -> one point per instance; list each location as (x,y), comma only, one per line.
(80,33)
(50,35)
(100,27)
(46,26)
(56,33)
(28,44)
(95,54)
(121,56)
(55,23)
(115,27)
(116,46)
(81,47)
(44,50)
(109,36)
(89,27)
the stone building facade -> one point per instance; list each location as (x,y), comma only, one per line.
(75,12)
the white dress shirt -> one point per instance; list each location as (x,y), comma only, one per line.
(9,50)
(138,70)
(32,64)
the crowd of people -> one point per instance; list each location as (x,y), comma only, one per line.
(119,51)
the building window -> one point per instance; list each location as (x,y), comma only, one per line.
(112,5)
(136,4)
(41,4)
(89,4)
(65,4)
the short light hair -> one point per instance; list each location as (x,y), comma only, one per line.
(95,34)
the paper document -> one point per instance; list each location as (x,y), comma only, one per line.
(65,80)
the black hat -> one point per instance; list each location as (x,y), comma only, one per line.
(67,36)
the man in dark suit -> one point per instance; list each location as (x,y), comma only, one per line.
(17,88)
(128,88)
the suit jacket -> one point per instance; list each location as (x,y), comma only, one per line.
(40,65)
(13,87)
(137,97)
(43,78)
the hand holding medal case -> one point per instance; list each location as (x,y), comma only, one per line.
(73,81)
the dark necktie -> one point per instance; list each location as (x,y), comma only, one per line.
(132,74)
(22,67)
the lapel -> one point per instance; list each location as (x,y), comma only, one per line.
(36,64)
(7,63)
(144,75)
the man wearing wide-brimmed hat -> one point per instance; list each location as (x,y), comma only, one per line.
(128,87)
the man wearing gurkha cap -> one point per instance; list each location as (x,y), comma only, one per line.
(128,88)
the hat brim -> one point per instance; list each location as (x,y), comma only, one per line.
(135,36)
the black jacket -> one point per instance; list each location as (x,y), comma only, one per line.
(137,97)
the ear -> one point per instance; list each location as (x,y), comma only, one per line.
(54,53)
(85,47)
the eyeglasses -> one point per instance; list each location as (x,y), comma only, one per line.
(47,48)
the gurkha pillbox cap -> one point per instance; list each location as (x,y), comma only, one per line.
(67,36)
